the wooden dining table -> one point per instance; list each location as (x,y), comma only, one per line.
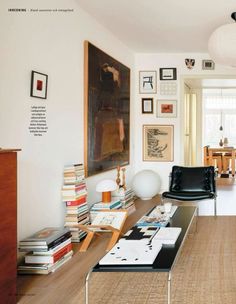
(228,153)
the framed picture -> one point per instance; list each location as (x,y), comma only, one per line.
(208,65)
(107,111)
(147,82)
(166,108)
(39,83)
(168,74)
(147,105)
(158,143)
(168,88)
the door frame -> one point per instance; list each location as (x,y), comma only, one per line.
(199,116)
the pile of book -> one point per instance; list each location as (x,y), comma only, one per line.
(46,251)
(126,197)
(74,194)
(97,207)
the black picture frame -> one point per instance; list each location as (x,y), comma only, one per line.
(39,84)
(168,74)
(147,105)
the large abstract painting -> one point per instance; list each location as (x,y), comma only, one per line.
(107,111)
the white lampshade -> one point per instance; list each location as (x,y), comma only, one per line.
(146,184)
(106,185)
(222,45)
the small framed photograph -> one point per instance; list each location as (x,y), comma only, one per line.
(147,82)
(166,108)
(168,74)
(39,83)
(158,143)
(147,105)
(208,65)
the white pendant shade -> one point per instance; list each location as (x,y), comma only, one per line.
(222,45)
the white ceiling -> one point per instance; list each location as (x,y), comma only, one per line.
(152,26)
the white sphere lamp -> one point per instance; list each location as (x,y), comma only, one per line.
(222,44)
(146,184)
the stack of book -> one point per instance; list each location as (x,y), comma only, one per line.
(47,250)
(126,198)
(97,207)
(74,194)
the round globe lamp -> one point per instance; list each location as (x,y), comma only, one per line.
(146,184)
(105,187)
(222,44)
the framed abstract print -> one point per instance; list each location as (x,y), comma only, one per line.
(168,74)
(39,83)
(147,105)
(166,108)
(107,111)
(147,82)
(158,143)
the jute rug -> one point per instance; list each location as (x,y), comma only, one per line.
(205,272)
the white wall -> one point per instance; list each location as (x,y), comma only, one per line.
(152,62)
(51,43)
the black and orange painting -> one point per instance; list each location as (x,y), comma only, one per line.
(107,111)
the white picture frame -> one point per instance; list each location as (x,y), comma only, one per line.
(147,82)
(167,108)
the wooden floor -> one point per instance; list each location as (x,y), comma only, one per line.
(205,271)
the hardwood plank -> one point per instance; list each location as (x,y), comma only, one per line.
(64,284)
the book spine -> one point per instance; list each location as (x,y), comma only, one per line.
(59,240)
(78,202)
(39,259)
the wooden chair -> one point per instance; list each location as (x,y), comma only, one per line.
(215,161)
(229,161)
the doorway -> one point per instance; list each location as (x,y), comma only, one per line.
(193,122)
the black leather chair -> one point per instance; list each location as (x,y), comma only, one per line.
(192,184)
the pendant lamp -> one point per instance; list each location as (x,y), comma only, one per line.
(222,44)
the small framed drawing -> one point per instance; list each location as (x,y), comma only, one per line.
(166,108)
(147,105)
(158,141)
(168,74)
(208,65)
(39,83)
(147,82)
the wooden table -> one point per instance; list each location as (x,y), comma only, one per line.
(227,153)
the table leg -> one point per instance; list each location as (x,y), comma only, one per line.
(211,163)
(233,163)
(86,286)
(169,288)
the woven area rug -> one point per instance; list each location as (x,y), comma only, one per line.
(205,272)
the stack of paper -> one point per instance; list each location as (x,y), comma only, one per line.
(167,235)
(132,252)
